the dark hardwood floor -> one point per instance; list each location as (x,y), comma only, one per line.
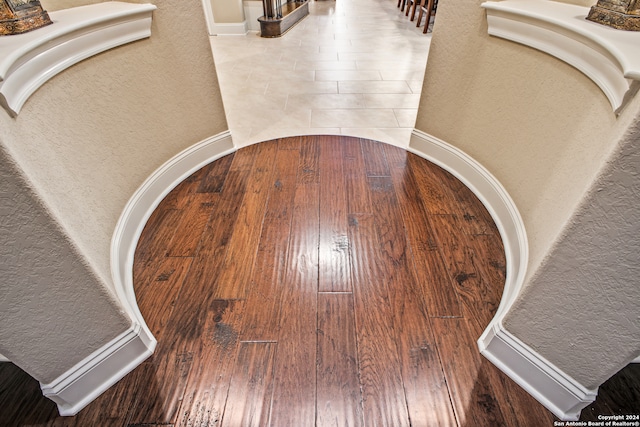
(326,281)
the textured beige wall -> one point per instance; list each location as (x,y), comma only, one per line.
(583,301)
(539,125)
(544,130)
(44,279)
(91,135)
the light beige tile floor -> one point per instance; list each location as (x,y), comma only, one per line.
(352,67)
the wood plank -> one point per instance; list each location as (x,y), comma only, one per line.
(215,174)
(176,198)
(289,143)
(21,399)
(233,280)
(356,185)
(339,400)
(193,220)
(210,256)
(155,245)
(380,374)
(428,401)
(479,296)
(309,170)
(251,389)
(294,395)
(162,390)
(206,395)
(375,161)
(243,159)
(334,274)
(474,400)
(440,295)
(157,298)
(435,186)
(262,324)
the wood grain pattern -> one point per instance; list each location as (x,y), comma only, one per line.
(204,400)
(339,401)
(424,383)
(270,264)
(250,392)
(229,272)
(334,273)
(440,295)
(233,280)
(295,367)
(380,375)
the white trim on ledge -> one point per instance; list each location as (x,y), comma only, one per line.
(87,380)
(29,60)
(143,203)
(557,391)
(607,56)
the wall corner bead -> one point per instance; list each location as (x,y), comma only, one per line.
(609,57)
(29,60)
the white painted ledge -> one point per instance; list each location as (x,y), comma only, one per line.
(607,56)
(29,60)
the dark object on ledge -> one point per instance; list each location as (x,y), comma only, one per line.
(620,14)
(279,18)
(21,16)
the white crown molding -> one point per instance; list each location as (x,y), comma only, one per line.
(553,388)
(607,56)
(81,384)
(29,60)
(142,204)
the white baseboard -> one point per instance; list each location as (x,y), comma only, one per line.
(80,385)
(557,391)
(143,203)
(234,29)
(550,386)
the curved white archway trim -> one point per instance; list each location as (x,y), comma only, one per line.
(556,390)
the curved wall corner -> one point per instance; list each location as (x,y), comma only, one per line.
(607,56)
(553,388)
(142,204)
(29,60)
